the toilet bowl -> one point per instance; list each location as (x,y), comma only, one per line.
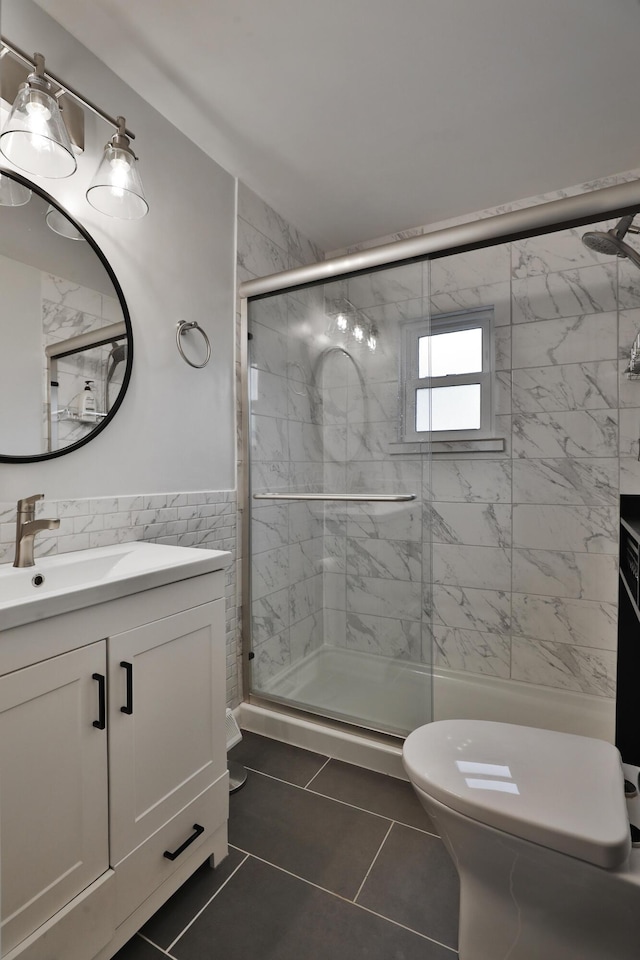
(536,824)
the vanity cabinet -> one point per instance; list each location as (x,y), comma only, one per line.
(113,775)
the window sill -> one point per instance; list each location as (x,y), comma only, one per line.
(410,448)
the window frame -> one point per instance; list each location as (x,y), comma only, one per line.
(411,332)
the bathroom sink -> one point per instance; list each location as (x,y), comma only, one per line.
(70,581)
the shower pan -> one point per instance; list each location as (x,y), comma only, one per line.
(389,580)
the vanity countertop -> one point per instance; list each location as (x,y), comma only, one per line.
(71,581)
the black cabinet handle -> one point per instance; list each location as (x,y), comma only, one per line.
(197,830)
(128,708)
(101,722)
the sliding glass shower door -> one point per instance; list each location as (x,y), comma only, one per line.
(339,544)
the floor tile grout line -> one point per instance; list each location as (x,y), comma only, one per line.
(151,943)
(318,772)
(210,900)
(355,899)
(345,803)
(339,896)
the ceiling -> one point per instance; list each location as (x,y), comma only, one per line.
(359,118)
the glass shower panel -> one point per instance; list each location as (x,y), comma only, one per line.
(340,552)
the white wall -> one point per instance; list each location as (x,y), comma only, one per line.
(174,430)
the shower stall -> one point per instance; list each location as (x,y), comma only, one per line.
(435,438)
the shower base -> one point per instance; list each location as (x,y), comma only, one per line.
(378,693)
(396,696)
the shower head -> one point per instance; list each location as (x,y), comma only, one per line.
(118,353)
(611,242)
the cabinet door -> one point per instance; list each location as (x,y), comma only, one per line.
(166,727)
(53,788)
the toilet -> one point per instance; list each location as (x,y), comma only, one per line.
(536,824)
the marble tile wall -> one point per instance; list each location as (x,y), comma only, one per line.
(204,518)
(519,549)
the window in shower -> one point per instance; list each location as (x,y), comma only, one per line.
(447,373)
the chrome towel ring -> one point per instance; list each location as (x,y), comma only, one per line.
(182,327)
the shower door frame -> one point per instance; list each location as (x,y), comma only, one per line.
(550,217)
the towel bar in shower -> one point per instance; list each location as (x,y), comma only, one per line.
(349,497)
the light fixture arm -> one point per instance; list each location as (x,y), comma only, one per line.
(37,62)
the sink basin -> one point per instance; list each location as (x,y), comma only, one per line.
(70,581)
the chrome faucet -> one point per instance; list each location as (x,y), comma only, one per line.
(26,528)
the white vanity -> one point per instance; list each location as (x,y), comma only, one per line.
(113,773)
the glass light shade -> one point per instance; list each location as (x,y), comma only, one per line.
(60,224)
(35,137)
(116,189)
(12,193)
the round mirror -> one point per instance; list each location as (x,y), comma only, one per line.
(65,334)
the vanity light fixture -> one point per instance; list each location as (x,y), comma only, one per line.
(116,189)
(12,193)
(36,139)
(61,225)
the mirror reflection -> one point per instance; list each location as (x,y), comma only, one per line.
(65,337)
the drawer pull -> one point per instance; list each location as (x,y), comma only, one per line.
(128,707)
(101,722)
(197,830)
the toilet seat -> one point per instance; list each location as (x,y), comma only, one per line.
(557,790)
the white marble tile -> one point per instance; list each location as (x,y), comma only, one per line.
(554,252)
(580,339)
(269,394)
(393,476)
(306,559)
(573,528)
(564,666)
(271,658)
(306,441)
(388,521)
(471,269)
(306,519)
(370,441)
(554,573)
(630,432)
(484,568)
(469,650)
(335,627)
(269,615)
(570,433)
(258,254)
(496,295)
(303,402)
(270,572)
(471,609)
(586,623)
(628,390)
(335,591)
(628,283)
(71,295)
(566,481)
(397,599)
(573,386)
(629,475)
(479,524)
(386,286)
(385,559)
(566,294)
(260,215)
(334,553)
(503,347)
(389,314)
(268,350)
(271,312)
(628,330)
(305,598)
(269,526)
(400,639)
(269,439)
(482,481)
(306,636)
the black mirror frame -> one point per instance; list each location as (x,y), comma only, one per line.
(127,321)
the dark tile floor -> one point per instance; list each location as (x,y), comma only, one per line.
(327,861)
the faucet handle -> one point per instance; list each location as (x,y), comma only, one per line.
(27,504)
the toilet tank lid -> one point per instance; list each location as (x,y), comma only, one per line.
(558,790)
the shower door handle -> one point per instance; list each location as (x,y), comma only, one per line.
(345,497)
